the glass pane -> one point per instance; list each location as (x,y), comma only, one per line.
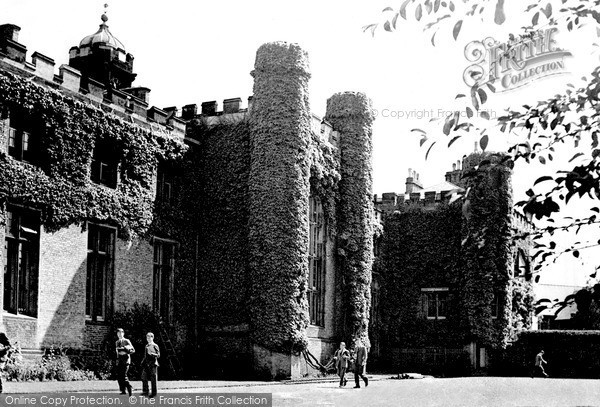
(431,305)
(165,292)
(156,290)
(10,275)
(100,287)
(89,291)
(442,304)
(25,141)
(12,136)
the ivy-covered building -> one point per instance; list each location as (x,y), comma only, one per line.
(248,230)
(452,282)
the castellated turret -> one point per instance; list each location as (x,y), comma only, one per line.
(279,192)
(351,115)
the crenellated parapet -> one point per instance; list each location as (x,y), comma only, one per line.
(131,104)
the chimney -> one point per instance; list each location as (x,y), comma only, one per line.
(412,182)
(188,112)
(9,45)
(9,32)
(210,108)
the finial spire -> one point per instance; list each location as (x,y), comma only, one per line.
(104,17)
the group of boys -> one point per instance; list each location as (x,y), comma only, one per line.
(149,363)
(343,357)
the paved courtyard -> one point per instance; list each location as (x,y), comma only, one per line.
(474,391)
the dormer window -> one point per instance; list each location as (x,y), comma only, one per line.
(104,169)
(23,140)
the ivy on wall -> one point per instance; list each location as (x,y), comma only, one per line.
(351,114)
(420,249)
(279,193)
(468,249)
(60,184)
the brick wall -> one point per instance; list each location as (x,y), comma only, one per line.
(21,329)
(133,273)
(62,279)
(95,335)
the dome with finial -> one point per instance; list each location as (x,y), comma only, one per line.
(102,37)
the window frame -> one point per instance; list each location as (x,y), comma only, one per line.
(435,293)
(23,138)
(495,309)
(30,278)
(93,261)
(317,270)
(164,174)
(100,160)
(157,277)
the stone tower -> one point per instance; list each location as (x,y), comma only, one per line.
(279,192)
(351,115)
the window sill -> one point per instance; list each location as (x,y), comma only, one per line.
(20,316)
(91,322)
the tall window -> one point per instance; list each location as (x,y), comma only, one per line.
(496,305)
(22,142)
(164,259)
(316,264)
(21,254)
(435,301)
(104,166)
(100,272)
(164,185)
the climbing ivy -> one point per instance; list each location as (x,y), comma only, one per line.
(351,114)
(468,248)
(59,184)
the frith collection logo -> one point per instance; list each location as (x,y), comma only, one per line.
(515,63)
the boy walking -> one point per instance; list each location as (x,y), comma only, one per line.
(341,362)
(124,349)
(539,365)
(360,357)
(150,365)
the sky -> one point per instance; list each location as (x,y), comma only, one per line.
(195,51)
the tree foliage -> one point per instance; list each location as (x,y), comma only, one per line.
(569,118)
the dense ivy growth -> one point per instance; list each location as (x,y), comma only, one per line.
(351,114)
(67,131)
(279,191)
(470,250)
(487,254)
(420,249)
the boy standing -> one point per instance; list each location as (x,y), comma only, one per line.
(150,365)
(124,350)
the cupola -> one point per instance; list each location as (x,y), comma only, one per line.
(102,57)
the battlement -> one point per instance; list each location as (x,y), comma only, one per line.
(428,199)
(129,103)
(522,223)
(233,111)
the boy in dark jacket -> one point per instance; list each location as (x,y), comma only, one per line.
(124,349)
(150,365)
